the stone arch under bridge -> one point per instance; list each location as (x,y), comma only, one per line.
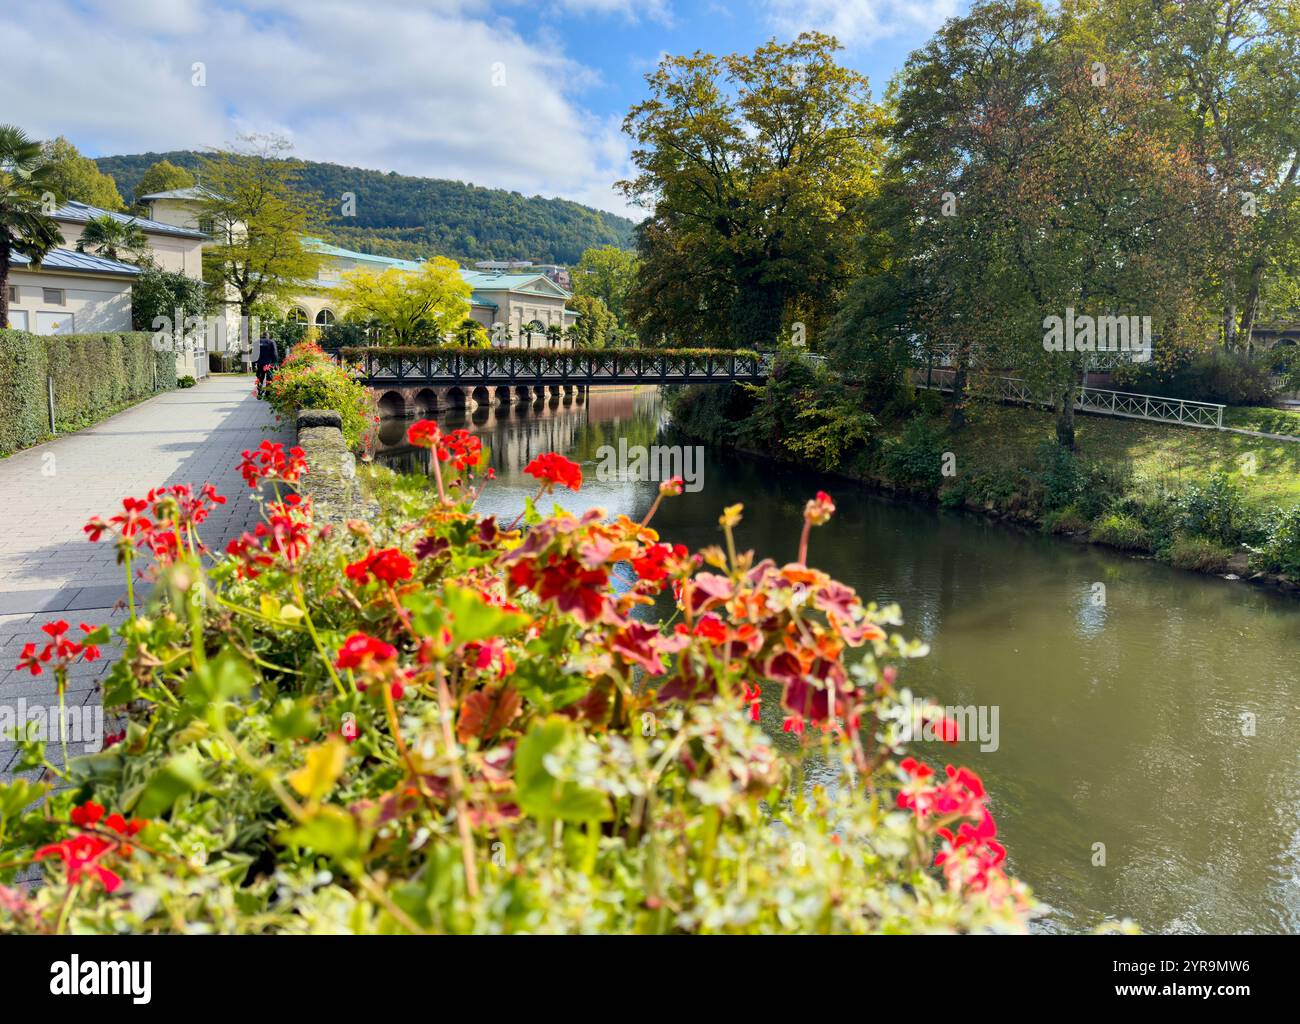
(412,401)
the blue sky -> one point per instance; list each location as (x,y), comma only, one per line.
(520,94)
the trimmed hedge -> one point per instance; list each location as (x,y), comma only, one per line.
(94,376)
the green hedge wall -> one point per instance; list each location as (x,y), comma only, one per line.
(94,376)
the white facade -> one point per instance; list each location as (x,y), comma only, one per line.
(53,302)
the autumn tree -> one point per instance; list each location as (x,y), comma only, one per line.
(260,222)
(754,168)
(408,306)
(1228,70)
(77,177)
(163,176)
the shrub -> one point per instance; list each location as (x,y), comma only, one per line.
(94,376)
(1281,551)
(449,723)
(1066,520)
(309,379)
(186,382)
(1216,375)
(1123,532)
(1217,511)
(1199,554)
(1060,475)
(915,460)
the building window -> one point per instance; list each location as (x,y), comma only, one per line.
(13,293)
(298,315)
(324,318)
(53,296)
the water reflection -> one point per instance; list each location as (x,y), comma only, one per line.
(1124,688)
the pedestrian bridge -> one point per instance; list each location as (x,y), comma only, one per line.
(406,367)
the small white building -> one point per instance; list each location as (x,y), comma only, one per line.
(70,293)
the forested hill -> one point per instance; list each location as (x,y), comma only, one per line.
(408,217)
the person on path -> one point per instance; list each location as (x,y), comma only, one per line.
(268,358)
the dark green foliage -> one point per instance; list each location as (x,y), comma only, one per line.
(411,217)
(94,376)
(1218,512)
(915,460)
(1230,378)
(1281,551)
(163,293)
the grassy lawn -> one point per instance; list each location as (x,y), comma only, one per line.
(1001,439)
(1268,421)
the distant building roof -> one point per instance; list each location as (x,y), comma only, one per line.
(191,192)
(479,282)
(83,213)
(69,260)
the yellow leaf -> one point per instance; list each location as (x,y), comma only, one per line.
(270,607)
(291,613)
(323,768)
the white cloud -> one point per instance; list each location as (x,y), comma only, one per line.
(440,88)
(859,22)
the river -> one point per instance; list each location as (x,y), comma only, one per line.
(1146,716)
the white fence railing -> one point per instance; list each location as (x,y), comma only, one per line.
(1095,400)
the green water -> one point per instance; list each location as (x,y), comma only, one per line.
(1122,722)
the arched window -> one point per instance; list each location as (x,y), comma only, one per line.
(325,318)
(298,315)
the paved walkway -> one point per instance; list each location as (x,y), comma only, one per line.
(49,570)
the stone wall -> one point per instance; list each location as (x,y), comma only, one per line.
(331,479)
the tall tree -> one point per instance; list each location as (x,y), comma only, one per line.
(1228,67)
(259,223)
(431,303)
(27,199)
(755,167)
(163,176)
(1031,182)
(607,273)
(78,177)
(595,324)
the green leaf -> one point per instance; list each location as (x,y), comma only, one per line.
(220,680)
(17,795)
(473,619)
(294,719)
(331,831)
(539,793)
(180,775)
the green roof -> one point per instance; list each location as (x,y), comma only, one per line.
(477,280)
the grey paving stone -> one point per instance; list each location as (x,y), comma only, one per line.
(48,569)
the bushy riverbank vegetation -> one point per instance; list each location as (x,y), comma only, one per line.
(1200,499)
(444,722)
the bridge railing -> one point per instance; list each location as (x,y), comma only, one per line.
(1096,400)
(524,366)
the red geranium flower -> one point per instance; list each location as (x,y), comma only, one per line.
(554,469)
(361,651)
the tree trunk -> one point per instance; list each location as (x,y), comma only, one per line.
(957,408)
(1251,310)
(1065,418)
(4,279)
(1230,326)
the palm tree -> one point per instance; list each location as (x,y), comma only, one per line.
(115,239)
(26,201)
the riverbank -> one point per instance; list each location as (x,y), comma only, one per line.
(1219,503)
